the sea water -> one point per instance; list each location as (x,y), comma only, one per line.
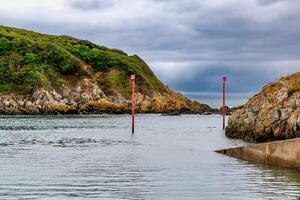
(97,157)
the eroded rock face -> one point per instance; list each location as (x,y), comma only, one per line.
(272,114)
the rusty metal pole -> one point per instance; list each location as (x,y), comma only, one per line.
(132,102)
(224,103)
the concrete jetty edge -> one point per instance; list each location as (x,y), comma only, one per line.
(285,153)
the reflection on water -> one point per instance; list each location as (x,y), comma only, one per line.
(95,156)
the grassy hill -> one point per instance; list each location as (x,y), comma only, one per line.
(48,74)
(30,60)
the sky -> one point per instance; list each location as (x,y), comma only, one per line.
(189,44)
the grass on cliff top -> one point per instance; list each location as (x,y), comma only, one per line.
(293,83)
(29,60)
(294,88)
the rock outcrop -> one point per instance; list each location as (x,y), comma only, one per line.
(48,74)
(272,114)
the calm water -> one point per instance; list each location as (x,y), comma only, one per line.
(80,157)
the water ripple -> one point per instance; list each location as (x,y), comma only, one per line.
(97,157)
(68,142)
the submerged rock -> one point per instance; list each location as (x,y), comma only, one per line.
(272,114)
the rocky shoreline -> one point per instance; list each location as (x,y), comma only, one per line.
(88,98)
(272,114)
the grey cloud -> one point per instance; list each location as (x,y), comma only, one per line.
(90,5)
(268,2)
(251,41)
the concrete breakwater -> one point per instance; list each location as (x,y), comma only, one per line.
(285,153)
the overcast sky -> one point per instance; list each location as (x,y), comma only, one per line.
(189,44)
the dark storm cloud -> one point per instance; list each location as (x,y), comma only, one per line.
(268,2)
(89,5)
(189,44)
(209,80)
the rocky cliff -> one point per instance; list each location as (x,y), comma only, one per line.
(43,74)
(272,114)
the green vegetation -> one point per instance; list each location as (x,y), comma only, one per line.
(5,46)
(29,60)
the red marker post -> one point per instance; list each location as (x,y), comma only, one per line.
(132,102)
(224,103)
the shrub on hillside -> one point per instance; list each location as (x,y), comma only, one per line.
(15,77)
(5,46)
(21,46)
(62,60)
(31,58)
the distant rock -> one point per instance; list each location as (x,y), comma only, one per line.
(272,114)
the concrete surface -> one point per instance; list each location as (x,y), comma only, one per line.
(284,153)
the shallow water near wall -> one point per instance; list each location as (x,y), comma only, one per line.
(95,156)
